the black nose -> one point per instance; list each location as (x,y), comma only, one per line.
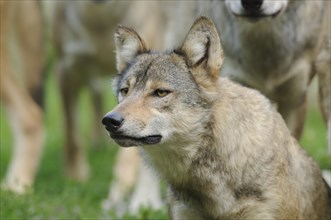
(113,121)
(252,5)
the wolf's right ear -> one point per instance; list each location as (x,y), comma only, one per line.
(128,44)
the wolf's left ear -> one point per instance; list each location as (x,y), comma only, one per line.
(202,46)
(128,45)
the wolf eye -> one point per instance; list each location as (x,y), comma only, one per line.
(161,92)
(124,91)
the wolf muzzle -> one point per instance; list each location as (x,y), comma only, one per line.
(113,121)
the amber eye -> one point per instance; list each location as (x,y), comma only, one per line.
(161,92)
(124,91)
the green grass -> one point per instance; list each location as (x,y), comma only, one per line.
(314,139)
(55,197)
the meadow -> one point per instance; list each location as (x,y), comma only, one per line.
(55,197)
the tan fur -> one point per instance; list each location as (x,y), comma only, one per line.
(223,150)
(23,21)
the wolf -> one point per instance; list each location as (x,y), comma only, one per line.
(277,47)
(223,149)
(21,88)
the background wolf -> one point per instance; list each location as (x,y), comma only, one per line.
(223,150)
(277,47)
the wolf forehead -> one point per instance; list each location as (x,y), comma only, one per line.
(169,68)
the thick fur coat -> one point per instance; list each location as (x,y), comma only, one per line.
(222,148)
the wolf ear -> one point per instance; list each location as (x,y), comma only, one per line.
(128,44)
(202,46)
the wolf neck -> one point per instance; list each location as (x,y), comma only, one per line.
(174,161)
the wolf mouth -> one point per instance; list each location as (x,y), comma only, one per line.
(129,141)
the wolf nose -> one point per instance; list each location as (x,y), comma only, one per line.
(112,121)
(252,5)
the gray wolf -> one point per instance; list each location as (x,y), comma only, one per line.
(277,47)
(21,88)
(223,150)
(82,34)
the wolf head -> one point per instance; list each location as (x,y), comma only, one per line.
(164,97)
(256,9)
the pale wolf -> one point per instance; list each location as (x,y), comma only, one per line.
(21,88)
(223,150)
(277,47)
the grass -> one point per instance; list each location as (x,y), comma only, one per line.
(55,197)
(314,139)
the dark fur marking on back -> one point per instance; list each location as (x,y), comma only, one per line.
(247,191)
